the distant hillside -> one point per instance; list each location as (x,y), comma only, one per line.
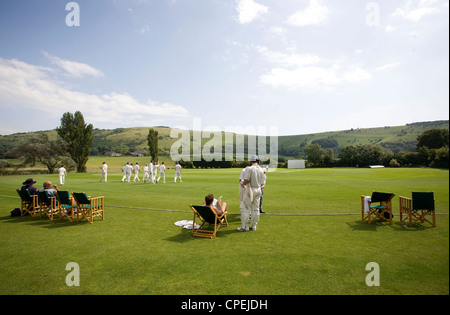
(397,139)
(126,140)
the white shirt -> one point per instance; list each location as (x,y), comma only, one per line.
(104,168)
(162,168)
(62,171)
(136,168)
(178,168)
(127,169)
(255,176)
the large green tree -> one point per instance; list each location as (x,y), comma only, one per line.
(433,139)
(78,136)
(153,143)
(51,153)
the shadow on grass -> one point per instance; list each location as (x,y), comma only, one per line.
(44,222)
(185,235)
(360,225)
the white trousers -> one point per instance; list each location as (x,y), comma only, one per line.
(250,206)
(136,176)
(126,177)
(104,176)
(179,176)
(163,176)
(61,179)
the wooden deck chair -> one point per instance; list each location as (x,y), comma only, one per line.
(206,214)
(47,205)
(418,208)
(89,207)
(382,211)
(29,204)
(66,206)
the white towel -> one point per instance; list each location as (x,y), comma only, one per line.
(186,224)
(367,200)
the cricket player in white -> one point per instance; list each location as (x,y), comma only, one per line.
(154,172)
(104,172)
(162,169)
(146,173)
(126,172)
(253,179)
(62,174)
(136,172)
(177,172)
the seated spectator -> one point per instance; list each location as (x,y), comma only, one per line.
(28,185)
(48,187)
(217,205)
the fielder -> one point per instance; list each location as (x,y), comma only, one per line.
(146,173)
(62,174)
(154,172)
(104,172)
(253,178)
(162,169)
(136,172)
(177,172)
(126,172)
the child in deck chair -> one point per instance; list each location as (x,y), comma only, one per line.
(218,206)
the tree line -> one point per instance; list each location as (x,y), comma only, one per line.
(75,138)
(432,149)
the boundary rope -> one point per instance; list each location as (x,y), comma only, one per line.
(230,213)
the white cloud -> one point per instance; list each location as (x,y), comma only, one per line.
(308,72)
(287,60)
(315,13)
(249,10)
(73,68)
(144,29)
(416,12)
(388,66)
(29,87)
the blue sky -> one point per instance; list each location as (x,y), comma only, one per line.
(296,66)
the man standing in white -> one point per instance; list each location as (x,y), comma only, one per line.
(136,172)
(126,172)
(162,169)
(154,172)
(253,179)
(104,172)
(146,173)
(62,174)
(177,172)
(150,170)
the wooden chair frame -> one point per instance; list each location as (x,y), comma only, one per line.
(28,203)
(206,214)
(378,211)
(66,206)
(47,205)
(413,211)
(89,207)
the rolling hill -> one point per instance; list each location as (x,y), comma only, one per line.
(126,140)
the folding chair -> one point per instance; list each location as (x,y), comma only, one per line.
(66,205)
(47,205)
(28,203)
(89,207)
(417,208)
(381,211)
(206,214)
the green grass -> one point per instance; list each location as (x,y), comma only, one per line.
(140,251)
